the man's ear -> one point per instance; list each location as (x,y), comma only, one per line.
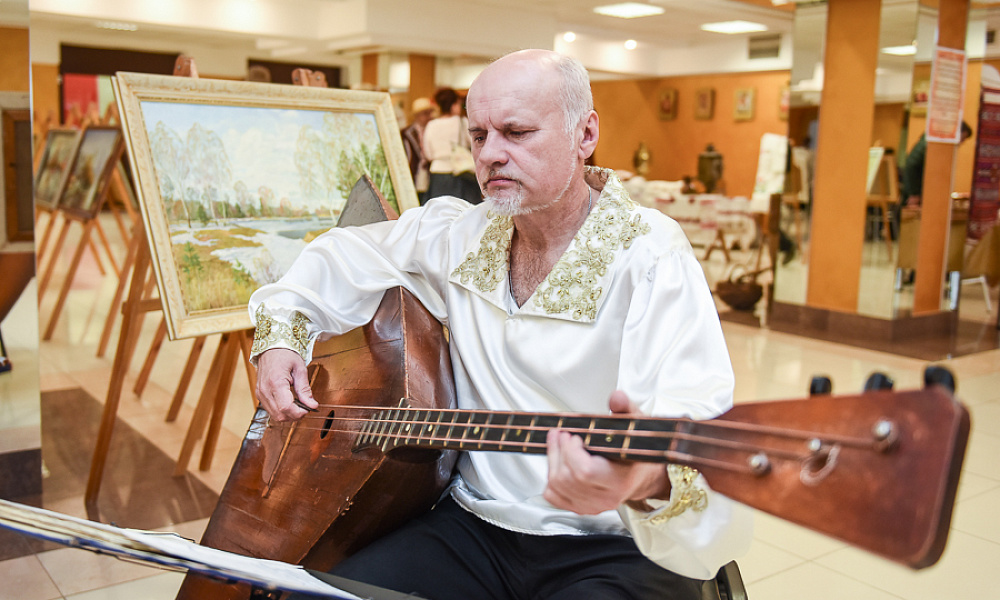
(591,133)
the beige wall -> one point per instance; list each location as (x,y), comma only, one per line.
(629,114)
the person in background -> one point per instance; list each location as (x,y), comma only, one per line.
(913,168)
(413,136)
(560,294)
(440,135)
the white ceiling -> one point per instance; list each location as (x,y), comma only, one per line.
(331,31)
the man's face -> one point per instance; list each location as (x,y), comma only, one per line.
(525,160)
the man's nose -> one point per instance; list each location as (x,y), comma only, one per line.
(492,151)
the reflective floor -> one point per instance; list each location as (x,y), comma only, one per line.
(785,562)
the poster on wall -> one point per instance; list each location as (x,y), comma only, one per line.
(985,197)
(944,104)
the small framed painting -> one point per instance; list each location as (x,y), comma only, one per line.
(668,104)
(704,104)
(744,107)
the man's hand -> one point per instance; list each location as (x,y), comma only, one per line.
(587,484)
(281,380)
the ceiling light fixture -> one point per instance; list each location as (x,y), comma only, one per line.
(629,10)
(569,37)
(733,27)
(908,50)
(630,44)
(116,26)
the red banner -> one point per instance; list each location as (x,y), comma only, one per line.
(985,197)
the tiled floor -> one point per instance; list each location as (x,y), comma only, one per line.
(785,561)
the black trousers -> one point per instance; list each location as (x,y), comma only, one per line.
(450,554)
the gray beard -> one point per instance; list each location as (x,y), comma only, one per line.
(513,206)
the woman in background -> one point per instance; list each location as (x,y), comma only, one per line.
(440,135)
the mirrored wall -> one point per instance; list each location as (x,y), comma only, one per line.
(893,85)
(906,41)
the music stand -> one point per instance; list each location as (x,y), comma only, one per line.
(170,551)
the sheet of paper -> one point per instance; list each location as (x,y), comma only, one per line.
(162,549)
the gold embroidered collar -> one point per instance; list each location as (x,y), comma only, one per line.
(573,289)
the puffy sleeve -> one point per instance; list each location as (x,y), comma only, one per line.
(675,364)
(337,282)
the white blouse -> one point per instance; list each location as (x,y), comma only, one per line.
(626,307)
(439,135)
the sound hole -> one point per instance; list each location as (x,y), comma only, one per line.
(327,424)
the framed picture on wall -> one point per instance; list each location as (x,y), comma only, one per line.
(668,104)
(234,178)
(744,106)
(784,102)
(704,104)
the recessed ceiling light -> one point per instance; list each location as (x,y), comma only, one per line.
(630,44)
(733,27)
(908,50)
(569,37)
(628,10)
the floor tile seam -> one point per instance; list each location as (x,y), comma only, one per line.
(974,535)
(839,545)
(855,578)
(974,495)
(125,579)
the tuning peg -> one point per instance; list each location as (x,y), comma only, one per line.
(878,381)
(938,375)
(820,385)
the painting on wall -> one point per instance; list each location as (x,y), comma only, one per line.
(744,107)
(90,174)
(53,166)
(784,102)
(668,104)
(704,104)
(235,178)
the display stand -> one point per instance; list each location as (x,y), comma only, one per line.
(89,219)
(212,402)
(883,194)
(171,552)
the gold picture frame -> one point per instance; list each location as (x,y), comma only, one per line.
(704,104)
(668,104)
(745,99)
(53,166)
(233,178)
(89,177)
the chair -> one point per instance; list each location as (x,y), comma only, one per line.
(727,585)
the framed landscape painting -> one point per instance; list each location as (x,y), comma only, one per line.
(90,173)
(53,167)
(235,178)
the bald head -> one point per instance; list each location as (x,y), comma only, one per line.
(550,72)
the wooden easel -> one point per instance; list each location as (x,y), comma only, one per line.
(883,193)
(211,404)
(90,223)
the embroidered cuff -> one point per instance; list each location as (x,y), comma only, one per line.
(684,495)
(272,333)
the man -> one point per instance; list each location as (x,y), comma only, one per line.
(560,294)
(913,168)
(413,137)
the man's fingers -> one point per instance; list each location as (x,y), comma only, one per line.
(300,386)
